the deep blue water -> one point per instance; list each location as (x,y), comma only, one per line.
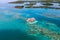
(13,23)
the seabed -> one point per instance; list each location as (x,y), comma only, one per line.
(43,29)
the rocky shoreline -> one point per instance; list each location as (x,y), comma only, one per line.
(19,7)
(29,4)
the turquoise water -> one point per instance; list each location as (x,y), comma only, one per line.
(13,24)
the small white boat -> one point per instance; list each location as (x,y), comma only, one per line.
(31,20)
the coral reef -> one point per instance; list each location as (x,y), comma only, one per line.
(35,30)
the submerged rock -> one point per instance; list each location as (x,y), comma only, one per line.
(19,7)
(38,30)
(49,4)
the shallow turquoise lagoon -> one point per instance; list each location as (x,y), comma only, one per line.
(13,24)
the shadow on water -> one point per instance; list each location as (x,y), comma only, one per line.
(14,35)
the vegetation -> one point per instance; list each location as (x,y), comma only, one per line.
(42,0)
